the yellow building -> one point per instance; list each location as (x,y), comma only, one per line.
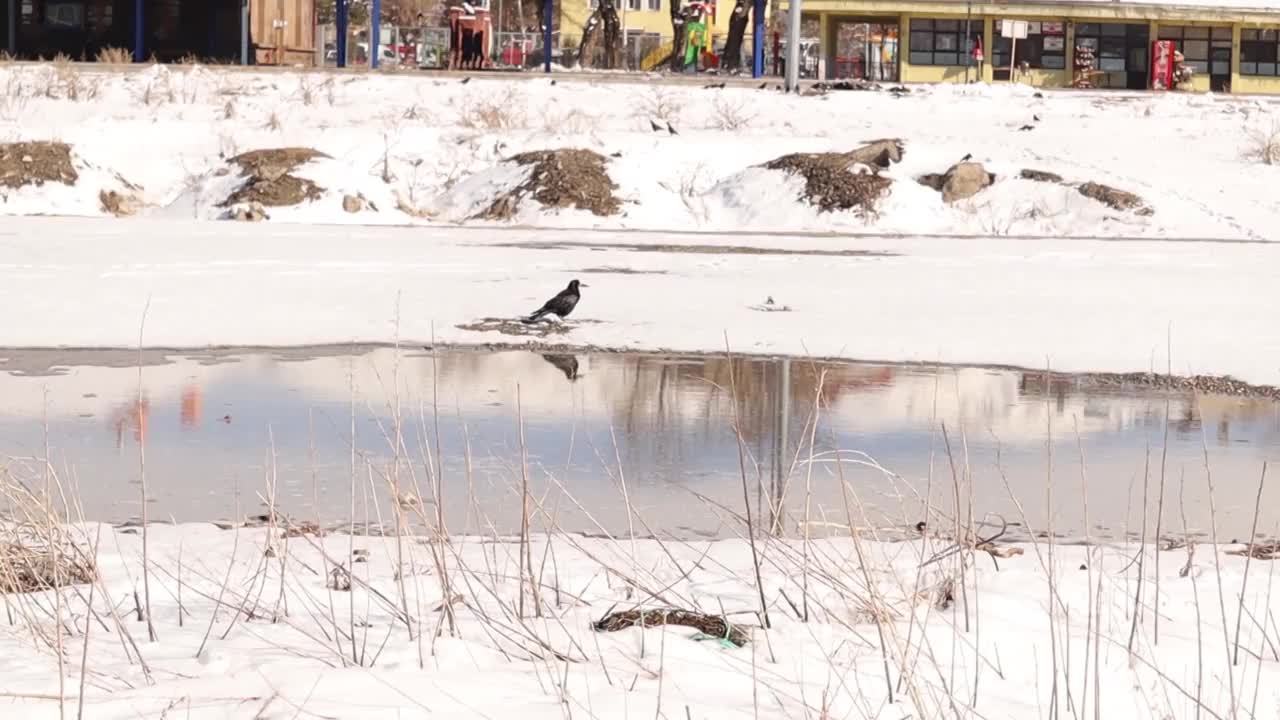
(1231,45)
(646,23)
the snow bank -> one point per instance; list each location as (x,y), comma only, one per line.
(424,149)
(254,623)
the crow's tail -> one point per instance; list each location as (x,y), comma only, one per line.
(534,317)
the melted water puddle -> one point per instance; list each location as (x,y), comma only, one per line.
(225,430)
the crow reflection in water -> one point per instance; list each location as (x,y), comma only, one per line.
(567,364)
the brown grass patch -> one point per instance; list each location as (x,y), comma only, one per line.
(560,179)
(270,182)
(36,163)
(34,562)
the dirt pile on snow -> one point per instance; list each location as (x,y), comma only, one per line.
(831,181)
(1040,176)
(270,180)
(36,163)
(565,178)
(1115,199)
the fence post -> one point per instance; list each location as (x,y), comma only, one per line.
(546,34)
(375,32)
(757,40)
(139,35)
(341,22)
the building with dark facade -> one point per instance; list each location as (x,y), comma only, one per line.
(271,31)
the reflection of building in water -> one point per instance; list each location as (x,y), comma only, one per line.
(192,404)
(134,415)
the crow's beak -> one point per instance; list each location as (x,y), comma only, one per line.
(582,284)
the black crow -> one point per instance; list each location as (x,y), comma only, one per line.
(1038,95)
(1025,128)
(560,305)
(967,157)
(567,364)
(466,80)
(1036,118)
(553,82)
(671,129)
(763,85)
(656,127)
(615,154)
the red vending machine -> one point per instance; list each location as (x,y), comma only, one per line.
(1162,64)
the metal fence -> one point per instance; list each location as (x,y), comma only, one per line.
(428,48)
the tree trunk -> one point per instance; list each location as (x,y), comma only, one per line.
(677,36)
(731,60)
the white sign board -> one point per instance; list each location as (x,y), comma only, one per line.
(1016,29)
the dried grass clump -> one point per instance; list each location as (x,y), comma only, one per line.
(34,559)
(1263,146)
(115,56)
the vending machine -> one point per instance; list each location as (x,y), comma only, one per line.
(1162,64)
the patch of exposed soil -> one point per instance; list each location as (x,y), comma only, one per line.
(1040,176)
(711,626)
(565,178)
(619,271)
(692,249)
(36,163)
(119,204)
(1204,384)
(270,182)
(830,184)
(1115,199)
(517,328)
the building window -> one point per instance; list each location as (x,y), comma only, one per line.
(1119,47)
(938,42)
(1044,47)
(1206,50)
(655,5)
(633,5)
(64,15)
(1259,52)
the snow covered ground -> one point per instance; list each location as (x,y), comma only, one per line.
(428,149)
(903,633)
(1073,305)
(246,625)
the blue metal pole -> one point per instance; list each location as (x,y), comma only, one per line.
(139,39)
(546,35)
(757,41)
(342,20)
(375,32)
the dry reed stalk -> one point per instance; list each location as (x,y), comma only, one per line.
(746,495)
(1244,582)
(1217,564)
(142,473)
